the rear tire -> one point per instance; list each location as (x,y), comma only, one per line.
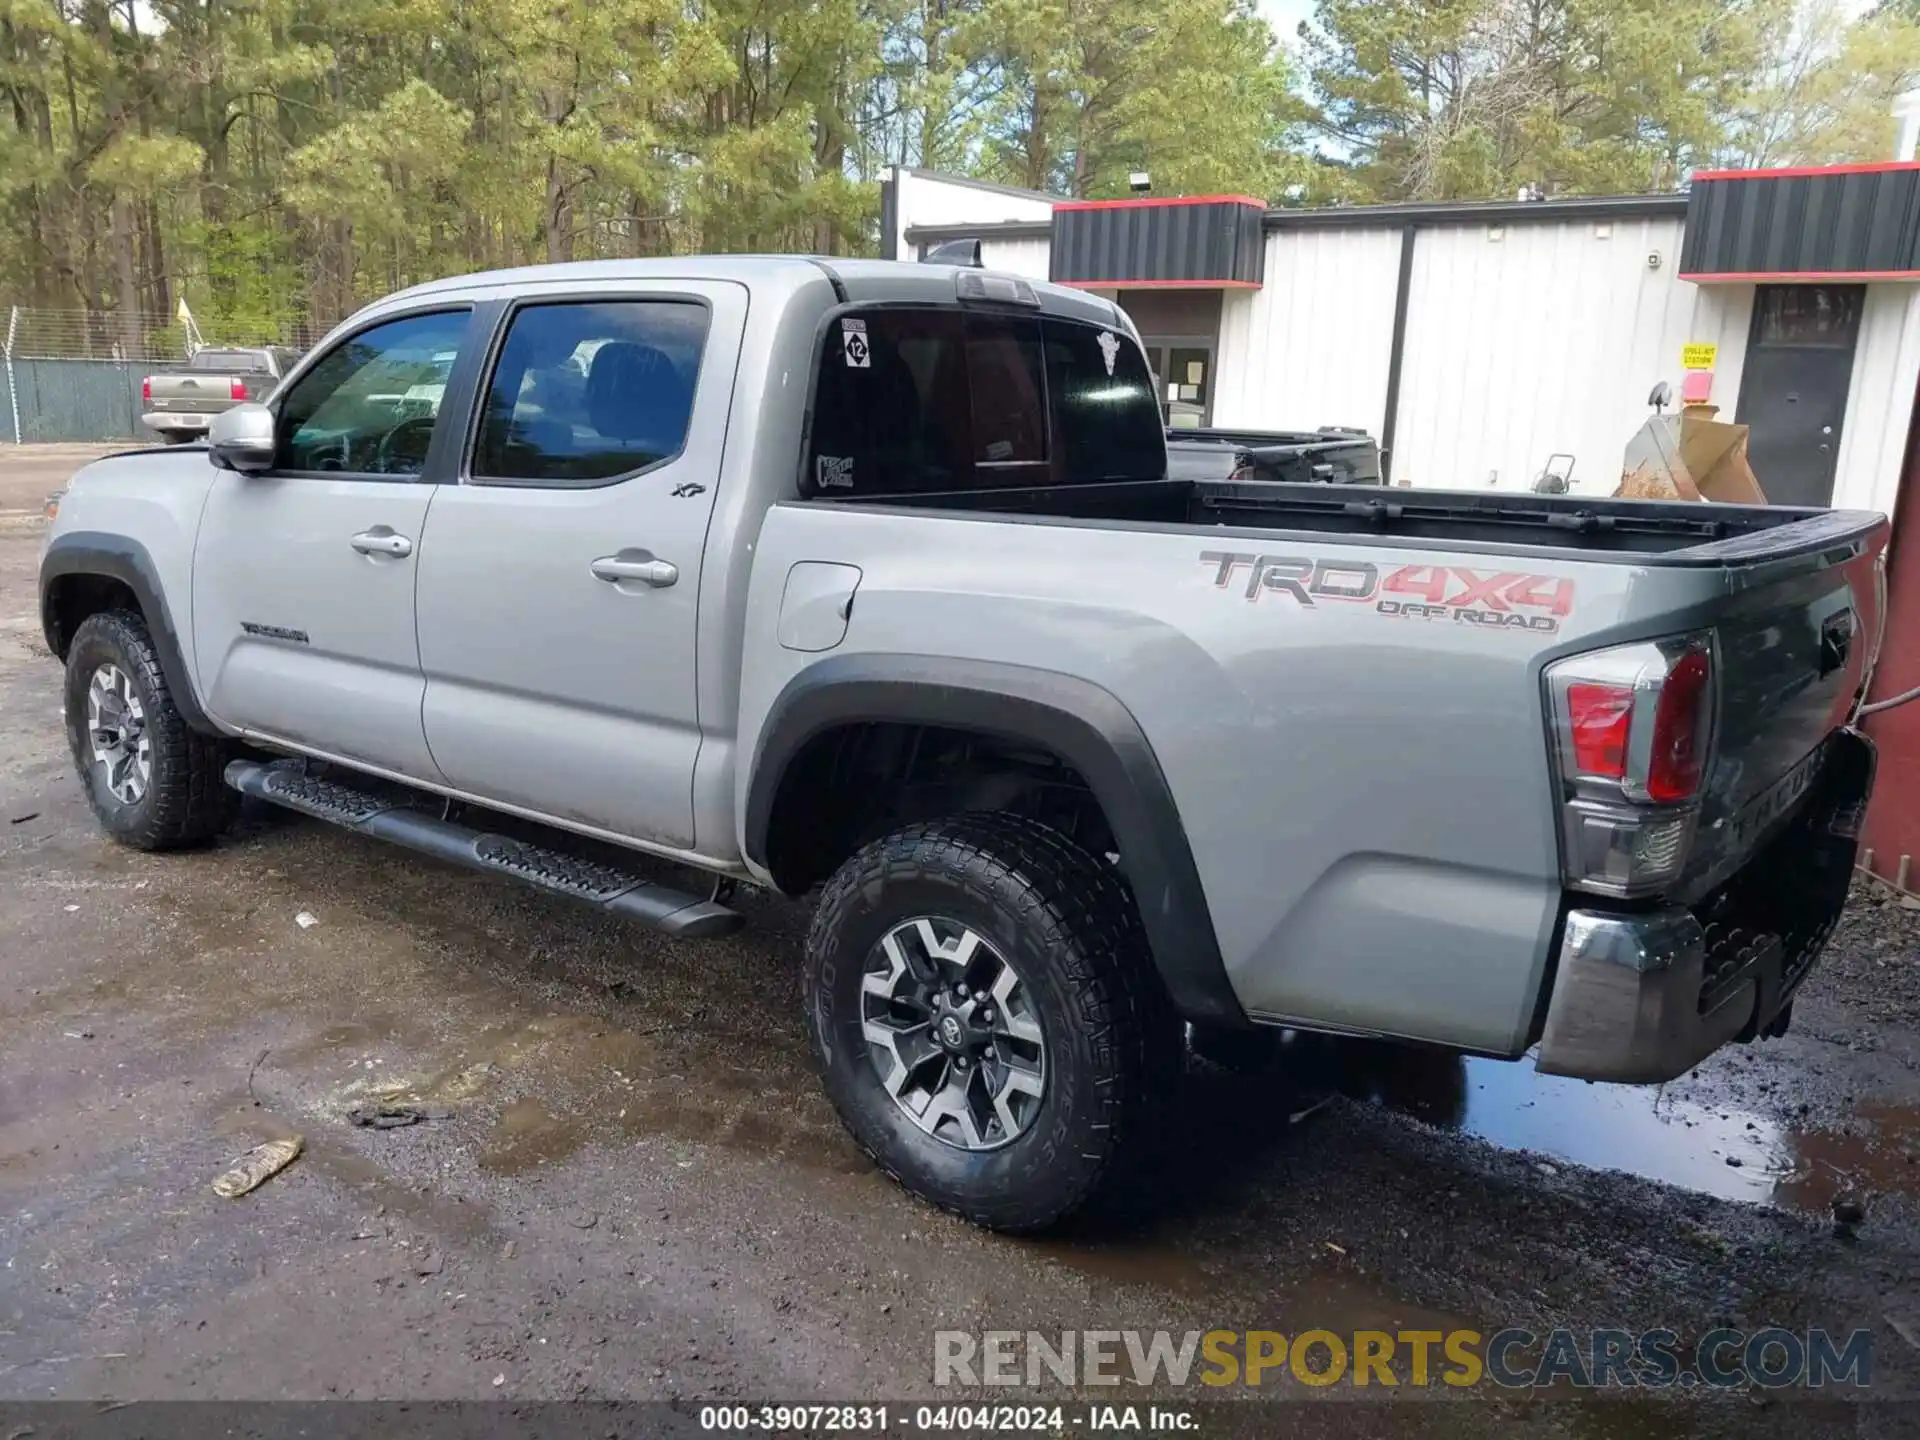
(1083,1018)
(153,781)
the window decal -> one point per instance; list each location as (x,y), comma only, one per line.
(853,343)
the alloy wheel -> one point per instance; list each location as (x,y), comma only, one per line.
(117,734)
(952,1034)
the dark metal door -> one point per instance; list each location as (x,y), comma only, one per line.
(1793,391)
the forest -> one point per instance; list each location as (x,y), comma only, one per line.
(276,163)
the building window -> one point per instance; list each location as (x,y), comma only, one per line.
(1827,316)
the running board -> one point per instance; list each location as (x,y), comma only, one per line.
(610,887)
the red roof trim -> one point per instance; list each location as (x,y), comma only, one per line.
(1060,205)
(1786,171)
(1796,277)
(1160,284)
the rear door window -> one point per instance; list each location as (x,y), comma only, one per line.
(917,402)
(585,392)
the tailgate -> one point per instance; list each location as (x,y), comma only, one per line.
(1793,637)
(192,393)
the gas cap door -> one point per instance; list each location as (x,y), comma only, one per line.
(817,605)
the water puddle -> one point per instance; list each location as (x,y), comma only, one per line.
(583,1080)
(528,1135)
(1645,1130)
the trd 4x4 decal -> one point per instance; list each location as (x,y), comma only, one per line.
(1505,599)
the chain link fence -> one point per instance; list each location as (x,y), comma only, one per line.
(75,374)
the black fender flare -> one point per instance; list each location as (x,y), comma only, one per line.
(115,557)
(1084,724)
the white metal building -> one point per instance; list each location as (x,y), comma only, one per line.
(1478,341)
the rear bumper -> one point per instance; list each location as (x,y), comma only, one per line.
(184,422)
(1626,1002)
(1645,996)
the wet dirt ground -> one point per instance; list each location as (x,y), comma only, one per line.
(630,1185)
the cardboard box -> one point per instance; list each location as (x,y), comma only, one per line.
(1690,456)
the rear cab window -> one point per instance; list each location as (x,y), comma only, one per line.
(912,402)
(228,360)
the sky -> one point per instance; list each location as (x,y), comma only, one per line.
(1285,15)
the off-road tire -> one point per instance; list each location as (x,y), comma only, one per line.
(187,801)
(1067,924)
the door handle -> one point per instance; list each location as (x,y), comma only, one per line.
(382,541)
(635,565)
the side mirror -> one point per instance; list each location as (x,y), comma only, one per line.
(242,438)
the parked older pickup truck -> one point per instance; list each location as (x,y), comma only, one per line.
(180,404)
(869,579)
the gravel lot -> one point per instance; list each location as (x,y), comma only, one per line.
(633,1188)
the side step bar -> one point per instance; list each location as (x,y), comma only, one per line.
(612,888)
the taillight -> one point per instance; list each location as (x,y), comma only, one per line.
(238,390)
(1634,728)
(1598,719)
(1677,757)
(146,390)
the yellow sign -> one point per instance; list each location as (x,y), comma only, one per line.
(1698,357)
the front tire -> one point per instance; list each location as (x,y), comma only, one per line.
(986,1017)
(153,781)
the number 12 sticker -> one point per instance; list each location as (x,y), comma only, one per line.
(853,344)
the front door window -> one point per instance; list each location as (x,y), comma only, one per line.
(369,406)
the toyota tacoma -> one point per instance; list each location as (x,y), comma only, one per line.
(869,582)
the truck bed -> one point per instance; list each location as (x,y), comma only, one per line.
(1683,531)
(1660,532)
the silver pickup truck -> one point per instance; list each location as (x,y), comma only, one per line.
(869,579)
